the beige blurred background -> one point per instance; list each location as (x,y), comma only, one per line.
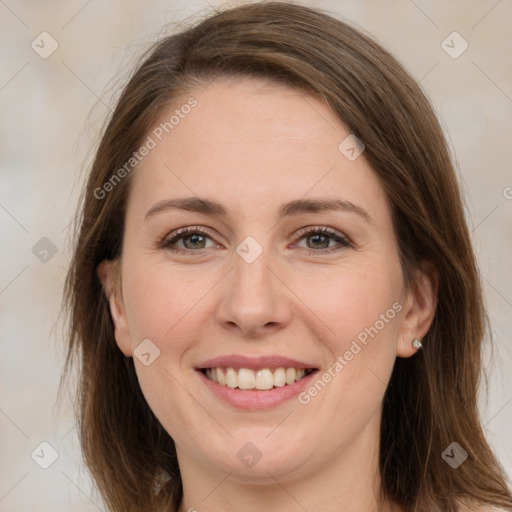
(51,111)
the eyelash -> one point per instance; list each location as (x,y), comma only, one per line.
(171,239)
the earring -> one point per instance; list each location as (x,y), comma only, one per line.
(416,343)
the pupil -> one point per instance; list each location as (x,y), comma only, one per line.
(323,245)
(195,239)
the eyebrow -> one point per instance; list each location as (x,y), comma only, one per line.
(297,207)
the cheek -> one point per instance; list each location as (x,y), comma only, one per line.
(165,305)
(361,311)
(349,301)
(161,300)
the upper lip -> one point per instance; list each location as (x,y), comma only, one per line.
(253,363)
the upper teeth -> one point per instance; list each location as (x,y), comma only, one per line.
(244,378)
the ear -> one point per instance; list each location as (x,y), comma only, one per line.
(109,273)
(419,309)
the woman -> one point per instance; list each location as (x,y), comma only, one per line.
(315,350)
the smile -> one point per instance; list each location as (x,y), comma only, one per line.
(262,379)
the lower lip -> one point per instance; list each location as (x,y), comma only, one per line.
(252,399)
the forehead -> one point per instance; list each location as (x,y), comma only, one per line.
(246,140)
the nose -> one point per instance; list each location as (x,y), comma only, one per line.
(254,302)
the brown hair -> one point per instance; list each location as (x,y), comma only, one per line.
(431,398)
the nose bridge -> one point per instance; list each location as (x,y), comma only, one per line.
(252,276)
(254,298)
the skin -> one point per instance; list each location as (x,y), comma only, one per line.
(244,141)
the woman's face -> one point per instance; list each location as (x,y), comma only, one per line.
(290,263)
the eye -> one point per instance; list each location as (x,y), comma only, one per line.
(319,240)
(193,239)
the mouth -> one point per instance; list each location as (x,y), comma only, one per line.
(262,379)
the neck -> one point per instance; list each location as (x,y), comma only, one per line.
(348,481)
